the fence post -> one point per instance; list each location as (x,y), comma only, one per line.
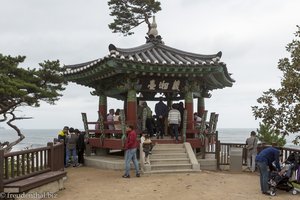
(60,155)
(51,155)
(218,144)
(184,125)
(123,127)
(1,170)
(87,134)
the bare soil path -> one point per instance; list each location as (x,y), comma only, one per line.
(90,183)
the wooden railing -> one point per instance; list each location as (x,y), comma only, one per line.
(23,164)
(223,152)
(203,136)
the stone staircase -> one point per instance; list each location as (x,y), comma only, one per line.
(168,158)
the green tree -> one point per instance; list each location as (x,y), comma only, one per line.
(281,108)
(26,87)
(269,135)
(129,14)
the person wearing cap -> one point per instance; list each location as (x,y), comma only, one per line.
(264,160)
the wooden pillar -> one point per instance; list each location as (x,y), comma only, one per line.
(103,106)
(189,108)
(167,127)
(201,106)
(1,170)
(132,107)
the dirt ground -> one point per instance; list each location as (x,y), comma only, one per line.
(90,183)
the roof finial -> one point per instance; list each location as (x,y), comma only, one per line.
(153,27)
(153,34)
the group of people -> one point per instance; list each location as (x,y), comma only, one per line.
(113,119)
(74,143)
(74,146)
(155,124)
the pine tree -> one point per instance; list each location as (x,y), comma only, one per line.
(269,135)
(21,87)
(129,14)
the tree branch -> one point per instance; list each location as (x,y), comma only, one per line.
(8,145)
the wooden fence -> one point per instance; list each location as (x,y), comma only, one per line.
(23,164)
(223,152)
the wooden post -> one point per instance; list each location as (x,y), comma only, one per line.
(167,128)
(123,127)
(218,149)
(59,153)
(211,122)
(132,107)
(1,169)
(184,125)
(103,106)
(189,108)
(57,157)
(87,134)
(85,123)
(201,106)
(51,156)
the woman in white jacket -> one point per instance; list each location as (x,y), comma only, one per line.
(174,119)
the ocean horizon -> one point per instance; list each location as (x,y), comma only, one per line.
(40,137)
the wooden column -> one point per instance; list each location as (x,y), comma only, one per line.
(189,108)
(1,170)
(201,106)
(103,106)
(131,107)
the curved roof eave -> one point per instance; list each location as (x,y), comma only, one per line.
(147,46)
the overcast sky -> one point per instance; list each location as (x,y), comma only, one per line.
(252,34)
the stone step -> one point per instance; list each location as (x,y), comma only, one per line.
(168,155)
(165,150)
(170,166)
(208,164)
(169,146)
(171,161)
(171,171)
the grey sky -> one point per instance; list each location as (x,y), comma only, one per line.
(252,34)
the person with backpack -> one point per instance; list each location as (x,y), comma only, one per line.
(71,142)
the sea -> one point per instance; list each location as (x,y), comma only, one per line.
(40,137)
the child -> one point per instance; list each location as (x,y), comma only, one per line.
(144,133)
(147,148)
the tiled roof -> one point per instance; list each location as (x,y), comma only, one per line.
(161,54)
(151,53)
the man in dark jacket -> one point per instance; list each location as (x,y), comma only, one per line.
(264,160)
(161,111)
(80,146)
(71,143)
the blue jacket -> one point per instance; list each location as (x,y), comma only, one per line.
(269,155)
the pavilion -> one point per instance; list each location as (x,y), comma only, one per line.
(142,72)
